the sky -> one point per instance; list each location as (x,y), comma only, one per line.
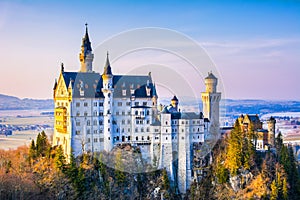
(254,45)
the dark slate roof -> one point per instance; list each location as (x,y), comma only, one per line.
(128,82)
(86,42)
(190,115)
(174,99)
(107,67)
(262,130)
(210,76)
(92,83)
(253,118)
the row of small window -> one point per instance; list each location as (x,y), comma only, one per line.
(62,104)
(86,114)
(140,121)
(142,113)
(95,140)
(85,104)
(88,123)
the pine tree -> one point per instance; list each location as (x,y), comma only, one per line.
(32,152)
(59,159)
(42,144)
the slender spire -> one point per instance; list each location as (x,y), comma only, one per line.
(107,67)
(86,41)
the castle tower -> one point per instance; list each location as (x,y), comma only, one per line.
(107,90)
(86,56)
(211,100)
(174,103)
(271,131)
(154,104)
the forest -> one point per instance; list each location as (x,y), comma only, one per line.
(236,171)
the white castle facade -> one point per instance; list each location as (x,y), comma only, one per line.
(96,112)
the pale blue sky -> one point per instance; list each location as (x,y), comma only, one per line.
(254,44)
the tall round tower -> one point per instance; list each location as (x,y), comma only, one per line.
(107,91)
(211,100)
(86,56)
(271,131)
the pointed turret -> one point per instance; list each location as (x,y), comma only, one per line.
(86,56)
(107,67)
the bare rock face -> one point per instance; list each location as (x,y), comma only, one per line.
(240,181)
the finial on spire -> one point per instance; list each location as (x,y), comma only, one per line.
(62,67)
(86,26)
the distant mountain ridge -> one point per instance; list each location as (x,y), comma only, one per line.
(14,103)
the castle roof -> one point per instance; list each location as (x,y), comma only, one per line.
(210,76)
(91,83)
(189,115)
(107,67)
(86,44)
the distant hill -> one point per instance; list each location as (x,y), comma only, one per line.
(15,103)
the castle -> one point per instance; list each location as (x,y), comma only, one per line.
(96,112)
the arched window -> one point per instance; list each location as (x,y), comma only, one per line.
(148,112)
(136,138)
(88,122)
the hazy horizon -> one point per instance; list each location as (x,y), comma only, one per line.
(254,45)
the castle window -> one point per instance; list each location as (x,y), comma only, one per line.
(108,138)
(58,104)
(89,140)
(108,129)
(88,131)
(77,132)
(123,112)
(100,113)
(117,130)
(117,113)
(85,104)
(142,137)
(128,103)
(101,104)
(136,103)
(101,139)
(78,114)
(136,130)
(166,130)
(108,111)
(136,138)
(95,113)
(166,123)
(128,138)
(108,120)
(85,114)
(148,121)
(182,130)
(182,122)
(100,131)
(148,137)
(198,129)
(118,138)
(95,131)
(166,138)
(77,123)
(95,122)
(142,129)
(136,112)
(122,130)
(123,121)
(95,104)
(182,138)
(128,121)
(129,130)
(144,103)
(77,104)
(95,139)
(119,103)
(148,129)
(100,122)
(148,113)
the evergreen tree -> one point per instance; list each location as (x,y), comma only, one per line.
(42,144)
(59,159)
(32,152)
